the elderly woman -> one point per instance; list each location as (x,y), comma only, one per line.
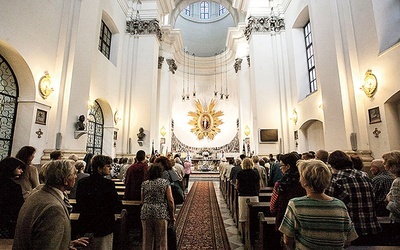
(157,209)
(392,164)
(248,186)
(316,221)
(286,188)
(11,199)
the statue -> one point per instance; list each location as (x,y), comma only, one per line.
(141,135)
(80,124)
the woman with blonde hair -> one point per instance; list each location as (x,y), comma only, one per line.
(316,221)
(248,186)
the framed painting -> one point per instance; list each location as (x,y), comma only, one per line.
(374,115)
(41,117)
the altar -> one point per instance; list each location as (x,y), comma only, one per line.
(205,164)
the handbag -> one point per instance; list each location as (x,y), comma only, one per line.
(171,237)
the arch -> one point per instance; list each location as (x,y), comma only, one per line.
(311,135)
(27,95)
(392,117)
(27,86)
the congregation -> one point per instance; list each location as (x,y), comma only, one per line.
(318,199)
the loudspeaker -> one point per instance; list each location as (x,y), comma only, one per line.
(353,141)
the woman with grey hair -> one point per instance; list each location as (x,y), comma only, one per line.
(316,221)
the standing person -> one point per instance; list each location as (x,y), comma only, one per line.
(188,170)
(248,186)
(316,221)
(261,171)
(275,173)
(354,188)
(237,167)
(88,157)
(80,167)
(30,177)
(97,201)
(381,184)
(43,222)
(11,198)
(157,208)
(135,175)
(392,164)
(287,188)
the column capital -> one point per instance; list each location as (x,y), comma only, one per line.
(270,24)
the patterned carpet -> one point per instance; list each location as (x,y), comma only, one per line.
(199,224)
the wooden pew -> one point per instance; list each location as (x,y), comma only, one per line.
(266,189)
(264,197)
(268,238)
(252,224)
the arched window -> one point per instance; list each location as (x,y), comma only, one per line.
(221,10)
(95,129)
(8,107)
(310,58)
(204,10)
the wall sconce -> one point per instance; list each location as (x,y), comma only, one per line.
(45,85)
(294,116)
(163,131)
(370,84)
(117,117)
(246,131)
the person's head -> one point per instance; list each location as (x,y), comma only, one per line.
(340,160)
(238,162)
(80,166)
(261,162)
(60,174)
(231,161)
(26,154)
(322,155)
(177,160)
(247,164)
(56,155)
(242,156)
(73,157)
(115,160)
(81,118)
(315,175)
(307,156)
(223,159)
(288,163)
(357,162)
(377,166)
(141,130)
(164,161)
(140,155)
(155,171)
(130,160)
(255,159)
(101,164)
(392,162)
(11,168)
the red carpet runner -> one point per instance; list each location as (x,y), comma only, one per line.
(199,224)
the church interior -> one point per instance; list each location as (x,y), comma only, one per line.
(205,79)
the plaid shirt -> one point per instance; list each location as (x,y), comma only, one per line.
(381,185)
(355,189)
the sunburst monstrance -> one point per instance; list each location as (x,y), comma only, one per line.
(205,120)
